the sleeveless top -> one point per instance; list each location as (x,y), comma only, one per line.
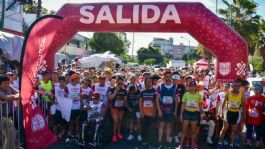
(234,102)
(47,87)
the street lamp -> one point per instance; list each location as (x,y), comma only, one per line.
(189,46)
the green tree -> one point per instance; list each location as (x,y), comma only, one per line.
(241,15)
(204,53)
(109,41)
(191,56)
(150,61)
(150,53)
(260,43)
(33,8)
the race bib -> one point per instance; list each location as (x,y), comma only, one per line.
(167,100)
(148,104)
(253,113)
(192,104)
(233,105)
(118,103)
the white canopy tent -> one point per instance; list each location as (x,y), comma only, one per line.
(11,46)
(101,59)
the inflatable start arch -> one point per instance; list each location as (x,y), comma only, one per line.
(50,33)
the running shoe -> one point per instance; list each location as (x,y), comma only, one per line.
(119,136)
(114,139)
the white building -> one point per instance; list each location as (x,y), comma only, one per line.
(77,46)
(13,20)
(165,45)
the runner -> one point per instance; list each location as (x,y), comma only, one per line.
(234,100)
(117,96)
(254,116)
(74,90)
(134,112)
(59,92)
(167,102)
(190,113)
(148,112)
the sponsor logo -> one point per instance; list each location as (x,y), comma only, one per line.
(224,68)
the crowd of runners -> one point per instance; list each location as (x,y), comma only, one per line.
(160,109)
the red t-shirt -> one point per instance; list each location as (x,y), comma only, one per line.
(254,110)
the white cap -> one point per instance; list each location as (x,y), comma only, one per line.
(176,77)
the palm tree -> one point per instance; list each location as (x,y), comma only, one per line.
(241,15)
(260,44)
(204,53)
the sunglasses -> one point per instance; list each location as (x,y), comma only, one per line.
(120,83)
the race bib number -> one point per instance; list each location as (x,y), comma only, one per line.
(118,103)
(192,104)
(233,105)
(148,104)
(167,100)
(253,113)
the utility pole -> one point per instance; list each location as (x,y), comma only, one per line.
(133,46)
(39,10)
(3,3)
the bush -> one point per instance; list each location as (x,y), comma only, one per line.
(150,61)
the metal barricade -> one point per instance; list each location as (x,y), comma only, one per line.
(10,122)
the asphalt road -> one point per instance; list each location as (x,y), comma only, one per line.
(134,145)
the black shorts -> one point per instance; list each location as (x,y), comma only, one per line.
(179,109)
(232,117)
(191,116)
(58,119)
(167,118)
(75,114)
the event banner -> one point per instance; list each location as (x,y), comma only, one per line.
(36,53)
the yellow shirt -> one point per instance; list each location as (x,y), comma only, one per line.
(192,101)
(234,102)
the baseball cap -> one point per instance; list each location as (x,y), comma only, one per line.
(176,77)
(75,76)
(258,87)
(108,70)
(193,83)
(102,78)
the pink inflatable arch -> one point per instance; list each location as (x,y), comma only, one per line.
(50,33)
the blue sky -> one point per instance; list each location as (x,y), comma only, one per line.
(143,39)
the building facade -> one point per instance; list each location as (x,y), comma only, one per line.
(165,45)
(77,46)
(13,18)
(179,50)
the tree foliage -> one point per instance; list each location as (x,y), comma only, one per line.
(150,61)
(191,55)
(150,53)
(241,15)
(109,41)
(33,8)
(204,53)
(260,43)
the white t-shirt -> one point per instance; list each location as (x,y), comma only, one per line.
(74,94)
(222,98)
(206,81)
(103,92)
(95,108)
(59,93)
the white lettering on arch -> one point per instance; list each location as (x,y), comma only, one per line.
(170,13)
